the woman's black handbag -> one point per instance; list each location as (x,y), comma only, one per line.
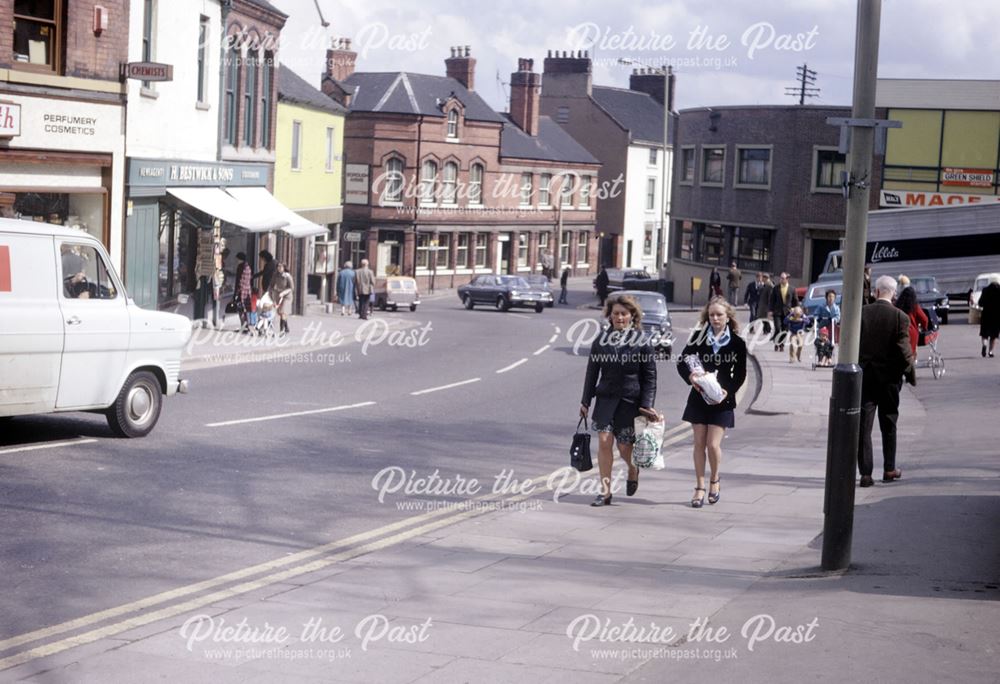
(232,307)
(579,451)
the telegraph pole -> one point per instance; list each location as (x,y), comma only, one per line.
(806,77)
(845,397)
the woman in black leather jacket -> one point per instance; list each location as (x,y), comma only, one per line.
(621,373)
(719,348)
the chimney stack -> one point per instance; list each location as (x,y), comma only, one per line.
(525,90)
(568,75)
(650,81)
(340,59)
(461,66)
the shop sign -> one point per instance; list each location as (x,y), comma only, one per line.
(10,119)
(907,199)
(352,236)
(356,184)
(149,71)
(970,178)
(164,173)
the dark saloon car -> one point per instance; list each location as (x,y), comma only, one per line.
(628,279)
(503,292)
(540,282)
(930,297)
(655,317)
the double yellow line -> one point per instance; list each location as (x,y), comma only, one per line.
(279,570)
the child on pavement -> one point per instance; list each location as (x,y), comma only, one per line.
(824,348)
(795,324)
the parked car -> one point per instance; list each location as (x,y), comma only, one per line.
(930,297)
(655,317)
(73,340)
(629,279)
(540,282)
(397,291)
(816,295)
(503,292)
(976,311)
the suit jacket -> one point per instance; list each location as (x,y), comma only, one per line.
(764,303)
(364,281)
(779,306)
(625,371)
(885,354)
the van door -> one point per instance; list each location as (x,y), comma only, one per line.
(96,326)
(31,332)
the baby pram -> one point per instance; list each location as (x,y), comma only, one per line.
(265,316)
(932,357)
(833,328)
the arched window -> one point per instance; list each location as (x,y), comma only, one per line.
(393,180)
(476,184)
(453,123)
(450,179)
(428,179)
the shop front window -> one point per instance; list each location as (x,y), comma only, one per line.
(82,211)
(752,248)
(711,244)
(685,243)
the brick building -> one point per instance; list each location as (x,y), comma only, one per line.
(759,185)
(62,147)
(441,186)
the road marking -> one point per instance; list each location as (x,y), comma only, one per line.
(513,366)
(246,587)
(444,387)
(517,315)
(557,330)
(542,350)
(290,415)
(553,338)
(49,445)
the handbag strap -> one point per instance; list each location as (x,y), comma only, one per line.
(583,419)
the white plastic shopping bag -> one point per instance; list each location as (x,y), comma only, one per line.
(646,452)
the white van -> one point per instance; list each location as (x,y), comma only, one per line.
(72,340)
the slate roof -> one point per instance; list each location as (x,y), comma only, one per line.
(406,93)
(552,143)
(636,112)
(295,89)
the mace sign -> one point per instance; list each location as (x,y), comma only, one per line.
(10,119)
(149,71)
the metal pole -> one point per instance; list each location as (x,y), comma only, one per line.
(845,397)
(661,247)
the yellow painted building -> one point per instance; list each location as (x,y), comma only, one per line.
(309,167)
(948,149)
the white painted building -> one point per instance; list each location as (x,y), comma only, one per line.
(643,202)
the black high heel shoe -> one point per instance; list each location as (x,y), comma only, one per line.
(601,500)
(698,501)
(714,498)
(632,486)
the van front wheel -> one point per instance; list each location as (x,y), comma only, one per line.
(137,407)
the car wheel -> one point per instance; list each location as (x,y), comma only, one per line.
(137,407)
(381,304)
(539,308)
(467,302)
(501,304)
(944,318)
(395,308)
(413,307)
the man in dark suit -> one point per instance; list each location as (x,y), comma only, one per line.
(885,356)
(752,295)
(782,300)
(764,300)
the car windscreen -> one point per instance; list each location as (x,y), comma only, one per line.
(650,304)
(819,291)
(514,281)
(922,285)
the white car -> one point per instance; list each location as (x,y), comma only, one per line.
(72,340)
(982,280)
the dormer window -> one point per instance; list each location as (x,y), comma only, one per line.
(453,123)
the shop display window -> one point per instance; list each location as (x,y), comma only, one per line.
(82,211)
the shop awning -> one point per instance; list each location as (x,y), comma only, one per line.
(263,203)
(220,204)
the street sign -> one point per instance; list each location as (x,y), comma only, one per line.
(149,71)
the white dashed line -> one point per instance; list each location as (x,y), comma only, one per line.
(553,339)
(444,387)
(542,350)
(50,445)
(512,366)
(290,415)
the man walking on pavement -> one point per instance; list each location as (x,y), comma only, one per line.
(885,356)
(783,299)
(364,283)
(563,280)
(734,278)
(752,295)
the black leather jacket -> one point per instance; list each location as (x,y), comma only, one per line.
(625,371)
(730,363)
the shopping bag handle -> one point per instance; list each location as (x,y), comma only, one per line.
(583,419)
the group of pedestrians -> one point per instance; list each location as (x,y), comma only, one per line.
(356,289)
(621,376)
(273,280)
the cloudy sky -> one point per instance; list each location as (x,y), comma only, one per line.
(724,52)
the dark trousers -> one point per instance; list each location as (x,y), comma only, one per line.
(363,305)
(562,296)
(883,398)
(779,322)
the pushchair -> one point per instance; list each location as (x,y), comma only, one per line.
(266,312)
(834,329)
(931,356)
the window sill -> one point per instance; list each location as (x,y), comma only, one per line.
(203,106)
(751,186)
(828,191)
(453,140)
(710,184)
(148,92)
